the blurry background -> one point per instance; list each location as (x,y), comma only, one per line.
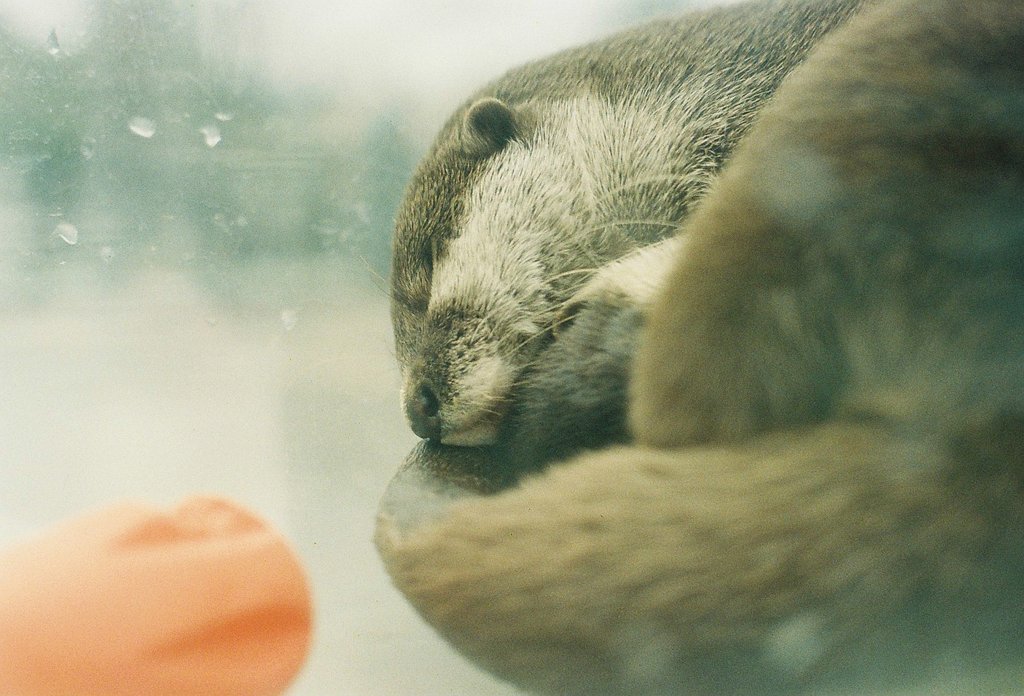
(195,211)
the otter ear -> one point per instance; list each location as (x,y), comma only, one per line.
(489,125)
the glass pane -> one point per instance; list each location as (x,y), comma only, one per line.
(195,212)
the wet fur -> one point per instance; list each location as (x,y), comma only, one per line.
(822,492)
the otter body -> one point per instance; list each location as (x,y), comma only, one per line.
(557,169)
(821,486)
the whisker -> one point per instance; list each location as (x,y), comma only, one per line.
(555,322)
(531,337)
(622,223)
(653,179)
(575,271)
(379,281)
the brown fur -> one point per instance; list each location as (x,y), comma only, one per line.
(825,487)
(554,170)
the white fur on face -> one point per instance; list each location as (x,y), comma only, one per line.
(481,403)
(540,219)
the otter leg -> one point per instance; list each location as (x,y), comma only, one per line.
(863,199)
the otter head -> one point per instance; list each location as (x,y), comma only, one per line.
(510,213)
(471,302)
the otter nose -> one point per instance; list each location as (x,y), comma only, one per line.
(423,409)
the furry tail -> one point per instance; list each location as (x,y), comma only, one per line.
(715,570)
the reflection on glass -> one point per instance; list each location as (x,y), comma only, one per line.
(193,238)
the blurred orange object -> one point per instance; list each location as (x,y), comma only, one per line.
(203,600)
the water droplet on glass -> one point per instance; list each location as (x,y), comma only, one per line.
(107,253)
(223,116)
(52,45)
(67,232)
(87,148)
(289,318)
(211,135)
(142,127)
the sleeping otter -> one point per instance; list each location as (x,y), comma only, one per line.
(556,169)
(821,486)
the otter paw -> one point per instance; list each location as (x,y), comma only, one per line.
(631,282)
(575,395)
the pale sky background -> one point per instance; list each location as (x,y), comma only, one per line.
(422,53)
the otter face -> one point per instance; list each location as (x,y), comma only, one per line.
(469,304)
(513,210)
